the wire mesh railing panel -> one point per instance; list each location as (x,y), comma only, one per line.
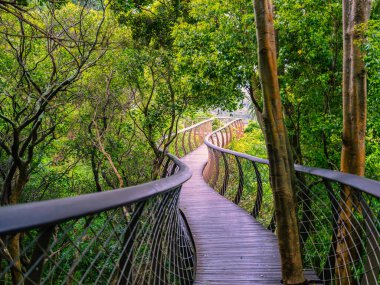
(145,244)
(338,213)
(135,235)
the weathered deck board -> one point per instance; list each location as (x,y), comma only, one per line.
(232,248)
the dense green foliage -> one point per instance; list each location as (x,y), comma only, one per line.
(310,65)
(216,51)
(92,91)
(252,142)
(372,48)
(83,106)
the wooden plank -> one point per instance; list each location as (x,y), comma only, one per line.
(232,247)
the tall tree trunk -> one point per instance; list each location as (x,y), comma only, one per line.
(280,158)
(355,12)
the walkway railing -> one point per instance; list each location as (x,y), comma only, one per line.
(135,235)
(191,138)
(339,235)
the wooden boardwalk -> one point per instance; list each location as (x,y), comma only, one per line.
(232,248)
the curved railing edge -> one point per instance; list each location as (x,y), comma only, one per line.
(363,184)
(43,213)
(196,125)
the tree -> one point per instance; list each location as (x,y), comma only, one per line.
(158,97)
(48,49)
(41,68)
(310,60)
(354,92)
(371,48)
(215,49)
(279,153)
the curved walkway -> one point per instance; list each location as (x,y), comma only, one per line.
(232,248)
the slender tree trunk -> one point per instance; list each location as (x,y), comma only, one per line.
(355,12)
(279,153)
(19,180)
(254,93)
(95,171)
(108,157)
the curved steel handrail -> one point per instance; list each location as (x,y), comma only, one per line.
(363,184)
(133,235)
(196,125)
(339,229)
(25,216)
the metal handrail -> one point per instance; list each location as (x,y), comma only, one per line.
(196,125)
(338,212)
(363,184)
(133,235)
(25,216)
(191,138)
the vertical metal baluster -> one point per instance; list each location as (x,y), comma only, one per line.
(216,167)
(239,192)
(206,170)
(212,139)
(212,165)
(195,137)
(230,131)
(217,139)
(183,143)
(201,131)
(176,145)
(272,224)
(189,141)
(226,175)
(165,169)
(259,196)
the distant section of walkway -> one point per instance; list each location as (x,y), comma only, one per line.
(232,248)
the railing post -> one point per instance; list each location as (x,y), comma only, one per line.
(359,232)
(223,140)
(272,224)
(183,143)
(259,196)
(206,170)
(195,137)
(189,141)
(215,162)
(226,175)
(239,192)
(230,130)
(176,145)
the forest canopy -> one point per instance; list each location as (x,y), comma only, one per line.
(88,88)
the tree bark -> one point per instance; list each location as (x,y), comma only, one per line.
(108,156)
(355,12)
(280,158)
(19,179)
